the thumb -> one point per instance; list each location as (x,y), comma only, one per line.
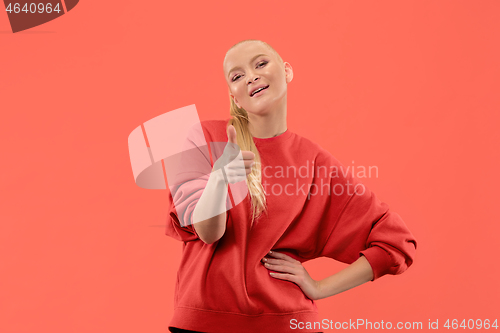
(231,134)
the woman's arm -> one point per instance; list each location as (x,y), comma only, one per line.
(292,270)
(352,276)
(232,167)
(211,203)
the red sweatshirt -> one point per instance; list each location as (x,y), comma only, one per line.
(315,209)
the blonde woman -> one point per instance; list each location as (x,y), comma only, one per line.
(241,269)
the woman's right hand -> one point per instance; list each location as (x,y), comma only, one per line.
(236,163)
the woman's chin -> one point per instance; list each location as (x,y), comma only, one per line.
(258,111)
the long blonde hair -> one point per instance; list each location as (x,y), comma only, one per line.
(241,122)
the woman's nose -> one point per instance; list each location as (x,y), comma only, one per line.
(252,78)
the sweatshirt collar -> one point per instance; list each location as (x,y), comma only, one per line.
(273,140)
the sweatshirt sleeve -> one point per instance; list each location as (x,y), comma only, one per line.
(366,226)
(180,215)
(187,176)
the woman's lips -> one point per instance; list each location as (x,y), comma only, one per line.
(260,92)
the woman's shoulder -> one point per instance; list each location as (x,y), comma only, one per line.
(306,143)
(322,155)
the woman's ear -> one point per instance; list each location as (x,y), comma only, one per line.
(288,72)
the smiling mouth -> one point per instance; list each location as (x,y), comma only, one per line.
(259,90)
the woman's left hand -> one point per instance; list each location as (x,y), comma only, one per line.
(292,271)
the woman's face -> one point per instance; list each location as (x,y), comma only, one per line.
(250,66)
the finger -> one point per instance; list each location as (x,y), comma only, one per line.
(236,177)
(248,163)
(231,134)
(236,173)
(281,256)
(279,262)
(281,276)
(281,268)
(237,164)
(247,155)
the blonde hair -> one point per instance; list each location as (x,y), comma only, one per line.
(241,122)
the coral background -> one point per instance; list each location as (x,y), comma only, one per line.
(408,86)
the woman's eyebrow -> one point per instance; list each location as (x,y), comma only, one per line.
(251,60)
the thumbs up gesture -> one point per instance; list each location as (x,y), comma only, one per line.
(236,164)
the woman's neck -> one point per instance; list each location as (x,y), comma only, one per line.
(268,125)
